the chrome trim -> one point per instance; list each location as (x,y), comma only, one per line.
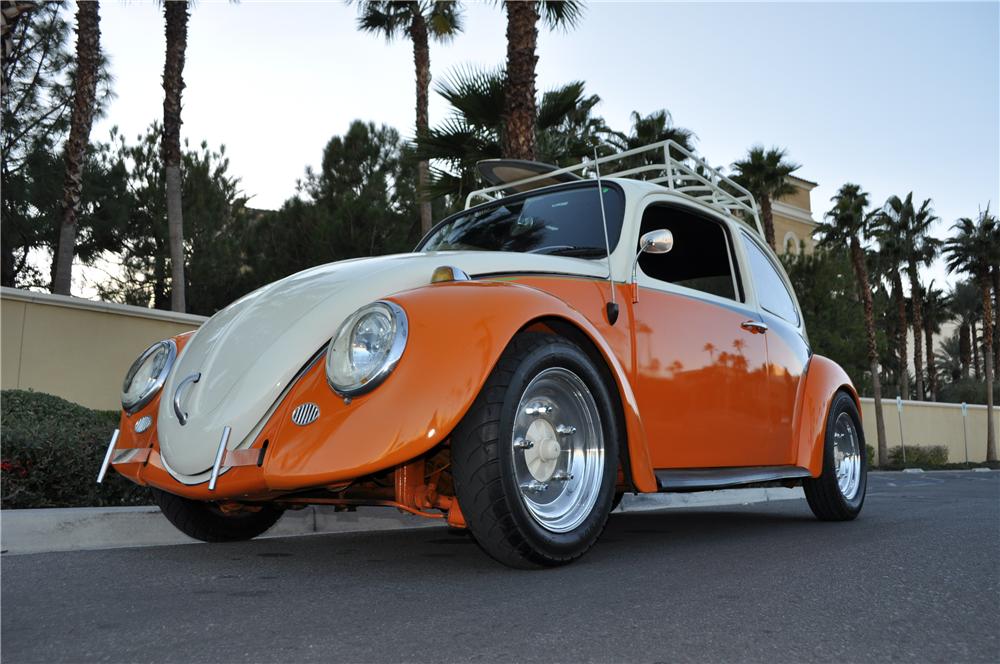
(718,478)
(182,417)
(401,325)
(754,326)
(846,456)
(143,423)
(107,457)
(305,414)
(161,378)
(214,477)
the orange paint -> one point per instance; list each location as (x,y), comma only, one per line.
(824,378)
(696,390)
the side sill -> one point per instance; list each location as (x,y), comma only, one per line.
(698,479)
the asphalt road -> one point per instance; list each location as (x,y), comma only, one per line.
(915,578)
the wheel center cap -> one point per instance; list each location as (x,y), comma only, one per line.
(542,457)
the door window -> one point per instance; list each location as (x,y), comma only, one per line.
(771,289)
(701,258)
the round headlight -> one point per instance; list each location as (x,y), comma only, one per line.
(147,374)
(366,348)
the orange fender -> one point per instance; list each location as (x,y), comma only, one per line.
(823,379)
(457,331)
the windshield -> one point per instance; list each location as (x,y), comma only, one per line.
(565,222)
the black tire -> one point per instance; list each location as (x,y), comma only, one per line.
(617,500)
(823,493)
(206,522)
(483,458)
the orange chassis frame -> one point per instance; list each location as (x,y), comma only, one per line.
(390,446)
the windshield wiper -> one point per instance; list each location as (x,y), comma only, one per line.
(570,250)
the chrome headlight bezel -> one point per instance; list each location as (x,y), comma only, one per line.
(154,388)
(344,338)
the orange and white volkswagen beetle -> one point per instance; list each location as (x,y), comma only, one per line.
(568,340)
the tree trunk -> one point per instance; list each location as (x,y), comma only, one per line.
(995,272)
(964,348)
(88,56)
(904,374)
(518,135)
(861,272)
(175,13)
(422,62)
(932,385)
(991,441)
(767,217)
(975,350)
(916,299)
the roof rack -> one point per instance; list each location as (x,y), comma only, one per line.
(665,163)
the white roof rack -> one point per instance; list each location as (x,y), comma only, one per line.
(665,163)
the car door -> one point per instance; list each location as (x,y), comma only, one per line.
(700,357)
(787,349)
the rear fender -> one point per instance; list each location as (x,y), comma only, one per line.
(823,379)
(457,332)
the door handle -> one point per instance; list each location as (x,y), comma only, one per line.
(178,411)
(754,326)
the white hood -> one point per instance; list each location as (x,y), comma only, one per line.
(249,352)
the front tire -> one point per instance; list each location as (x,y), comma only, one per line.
(206,522)
(535,459)
(839,492)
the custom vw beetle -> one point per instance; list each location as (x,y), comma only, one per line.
(568,340)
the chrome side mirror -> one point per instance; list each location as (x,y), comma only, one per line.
(660,241)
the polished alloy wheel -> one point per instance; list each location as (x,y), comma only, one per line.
(558,448)
(846,456)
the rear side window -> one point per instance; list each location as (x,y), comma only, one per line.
(701,258)
(771,289)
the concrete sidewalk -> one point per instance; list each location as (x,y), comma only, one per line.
(81,528)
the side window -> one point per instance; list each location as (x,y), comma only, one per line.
(771,289)
(701,257)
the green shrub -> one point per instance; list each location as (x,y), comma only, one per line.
(50,453)
(935,455)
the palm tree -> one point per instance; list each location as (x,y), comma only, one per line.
(765,173)
(419,21)
(88,60)
(975,249)
(175,14)
(846,223)
(893,252)
(967,307)
(473,131)
(936,311)
(920,249)
(519,111)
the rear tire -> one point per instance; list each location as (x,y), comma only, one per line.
(839,492)
(206,522)
(547,389)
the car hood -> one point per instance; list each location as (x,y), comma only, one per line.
(249,352)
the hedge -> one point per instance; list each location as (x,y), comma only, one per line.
(50,452)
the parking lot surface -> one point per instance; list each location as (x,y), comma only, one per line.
(915,578)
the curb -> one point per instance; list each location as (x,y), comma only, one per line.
(89,528)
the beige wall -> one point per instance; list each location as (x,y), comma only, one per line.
(801,230)
(926,423)
(77,349)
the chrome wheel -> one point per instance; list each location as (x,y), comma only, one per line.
(846,456)
(558,448)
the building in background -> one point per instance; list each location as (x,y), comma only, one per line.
(793,220)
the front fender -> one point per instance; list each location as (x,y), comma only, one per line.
(823,379)
(457,331)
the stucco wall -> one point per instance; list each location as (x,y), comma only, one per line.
(926,423)
(77,349)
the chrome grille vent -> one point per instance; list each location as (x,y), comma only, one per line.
(305,414)
(143,423)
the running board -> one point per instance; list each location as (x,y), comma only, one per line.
(697,479)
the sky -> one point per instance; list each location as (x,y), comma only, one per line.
(896,97)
